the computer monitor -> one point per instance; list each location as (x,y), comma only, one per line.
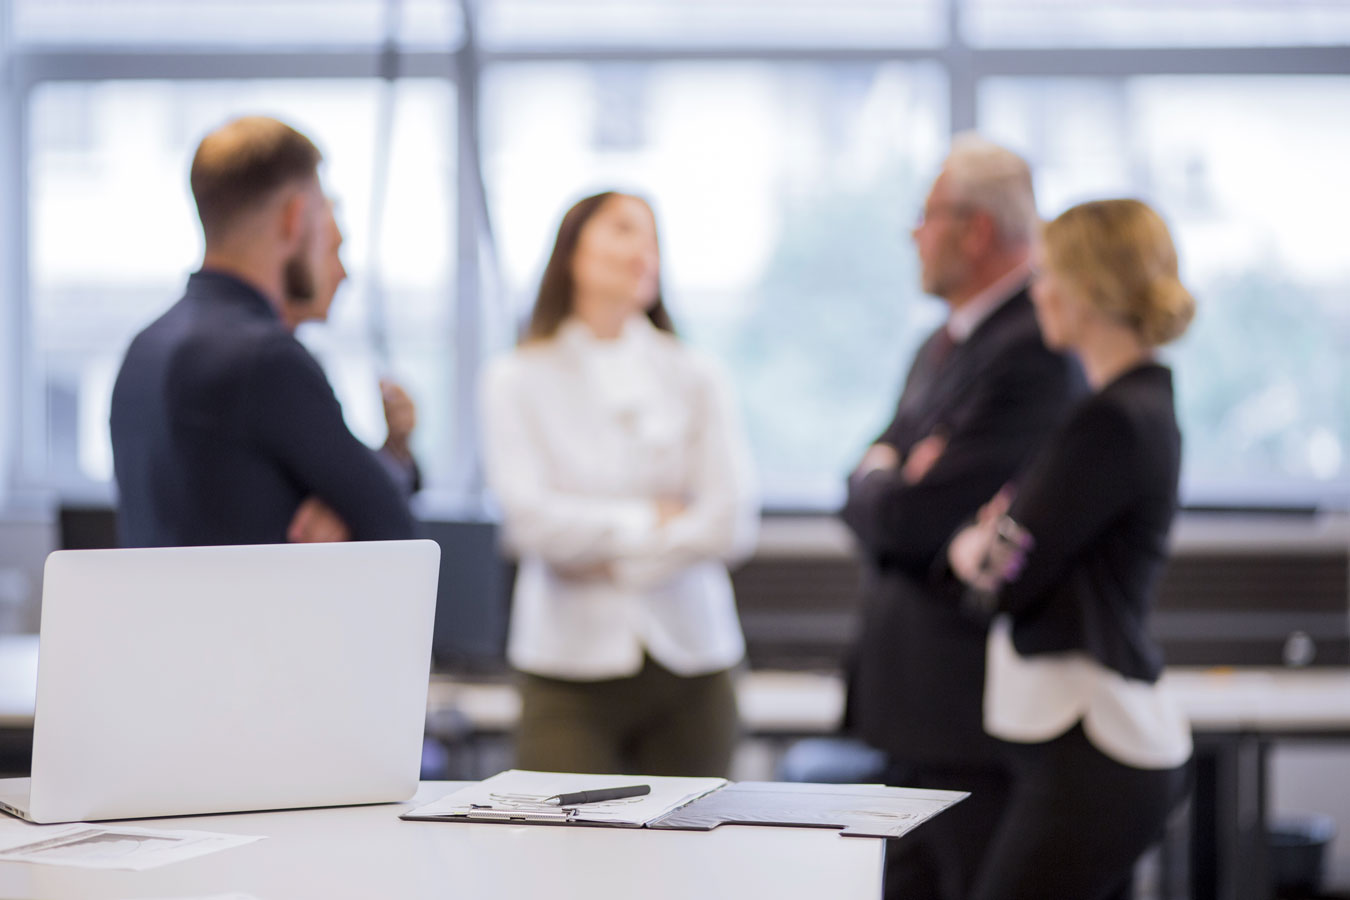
(473,603)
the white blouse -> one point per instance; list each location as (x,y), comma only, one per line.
(1033,699)
(580,437)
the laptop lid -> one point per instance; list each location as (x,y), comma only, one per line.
(191,680)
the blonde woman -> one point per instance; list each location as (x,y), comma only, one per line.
(625,486)
(1068,558)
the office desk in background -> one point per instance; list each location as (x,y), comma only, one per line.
(365,852)
(1238,716)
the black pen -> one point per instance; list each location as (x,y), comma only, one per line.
(600,795)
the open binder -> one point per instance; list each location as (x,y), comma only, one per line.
(692,804)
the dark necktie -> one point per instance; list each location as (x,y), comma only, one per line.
(939,351)
(915,407)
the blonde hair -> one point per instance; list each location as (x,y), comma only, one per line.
(996,180)
(1120,256)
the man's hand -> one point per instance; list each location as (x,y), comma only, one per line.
(316,523)
(923,456)
(400,415)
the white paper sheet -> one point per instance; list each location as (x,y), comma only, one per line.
(109,846)
(523,791)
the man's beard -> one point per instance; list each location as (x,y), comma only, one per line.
(945,276)
(299,280)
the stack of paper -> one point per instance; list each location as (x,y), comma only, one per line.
(857,810)
(519,795)
(108,846)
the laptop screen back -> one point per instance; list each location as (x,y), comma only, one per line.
(193,680)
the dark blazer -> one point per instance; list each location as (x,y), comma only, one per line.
(916,671)
(1099,501)
(222,423)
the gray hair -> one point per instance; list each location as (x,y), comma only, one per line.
(996,180)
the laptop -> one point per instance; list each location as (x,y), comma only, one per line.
(194,680)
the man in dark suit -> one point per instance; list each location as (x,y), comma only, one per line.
(224,428)
(982,392)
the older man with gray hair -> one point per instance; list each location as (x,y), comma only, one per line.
(982,393)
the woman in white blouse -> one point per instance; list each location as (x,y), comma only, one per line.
(625,486)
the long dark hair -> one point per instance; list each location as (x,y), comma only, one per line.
(556,290)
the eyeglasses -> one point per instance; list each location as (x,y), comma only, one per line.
(929,213)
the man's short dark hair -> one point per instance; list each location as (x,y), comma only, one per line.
(244,162)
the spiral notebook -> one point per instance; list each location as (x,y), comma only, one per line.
(691,804)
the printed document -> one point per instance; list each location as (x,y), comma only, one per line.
(109,846)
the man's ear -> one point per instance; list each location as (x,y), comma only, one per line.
(294,212)
(980,233)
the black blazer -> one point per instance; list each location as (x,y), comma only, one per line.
(916,671)
(222,423)
(1099,501)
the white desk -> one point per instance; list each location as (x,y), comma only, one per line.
(1273,701)
(367,853)
(1236,715)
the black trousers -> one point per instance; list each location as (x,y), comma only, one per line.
(939,859)
(1075,823)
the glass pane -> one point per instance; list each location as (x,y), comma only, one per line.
(744,22)
(113,234)
(423,23)
(784,195)
(1133,23)
(1245,170)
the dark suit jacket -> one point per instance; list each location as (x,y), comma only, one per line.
(917,668)
(222,423)
(1099,501)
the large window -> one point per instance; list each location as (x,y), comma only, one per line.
(786,146)
(1245,169)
